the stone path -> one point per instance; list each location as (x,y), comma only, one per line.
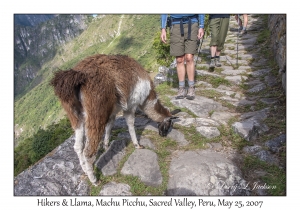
(213,170)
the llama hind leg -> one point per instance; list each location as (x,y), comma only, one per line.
(108,128)
(129,116)
(79,145)
(89,164)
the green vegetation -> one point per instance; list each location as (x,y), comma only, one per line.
(40,144)
(162,50)
(275,177)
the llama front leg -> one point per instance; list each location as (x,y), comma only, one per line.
(129,117)
(79,145)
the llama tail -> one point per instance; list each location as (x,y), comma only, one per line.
(67,87)
(67,84)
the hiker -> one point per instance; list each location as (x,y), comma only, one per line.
(218,26)
(185,30)
(243,27)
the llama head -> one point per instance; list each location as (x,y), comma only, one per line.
(165,126)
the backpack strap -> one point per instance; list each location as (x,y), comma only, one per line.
(189,19)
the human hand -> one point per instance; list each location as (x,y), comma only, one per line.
(200,33)
(163,35)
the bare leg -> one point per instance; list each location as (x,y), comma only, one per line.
(180,68)
(190,67)
(245,20)
(213,50)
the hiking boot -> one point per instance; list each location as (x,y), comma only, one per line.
(217,62)
(191,93)
(212,64)
(243,32)
(181,93)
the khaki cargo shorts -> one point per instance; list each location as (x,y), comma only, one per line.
(180,45)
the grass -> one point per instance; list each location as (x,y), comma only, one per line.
(215,81)
(275,177)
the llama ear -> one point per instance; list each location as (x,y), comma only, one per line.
(170,118)
(167,119)
(175,111)
(173,117)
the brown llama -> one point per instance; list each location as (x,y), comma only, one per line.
(95,90)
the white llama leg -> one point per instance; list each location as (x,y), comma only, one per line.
(79,145)
(129,116)
(108,128)
(90,170)
(89,164)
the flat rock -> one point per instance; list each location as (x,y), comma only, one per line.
(200,106)
(252,149)
(266,156)
(206,73)
(253,82)
(233,72)
(259,73)
(206,122)
(108,162)
(246,67)
(269,101)
(186,122)
(147,142)
(178,137)
(250,129)
(258,115)
(275,144)
(202,83)
(222,117)
(270,80)
(257,88)
(236,79)
(143,164)
(204,172)
(59,173)
(226,92)
(208,132)
(250,41)
(245,102)
(115,189)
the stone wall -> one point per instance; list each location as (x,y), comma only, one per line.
(277,27)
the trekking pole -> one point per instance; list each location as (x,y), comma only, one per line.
(237,42)
(199,49)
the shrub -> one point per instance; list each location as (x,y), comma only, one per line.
(30,150)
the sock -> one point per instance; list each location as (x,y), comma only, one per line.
(191,83)
(181,83)
(244,28)
(212,57)
(217,57)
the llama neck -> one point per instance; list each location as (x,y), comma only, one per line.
(155,110)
